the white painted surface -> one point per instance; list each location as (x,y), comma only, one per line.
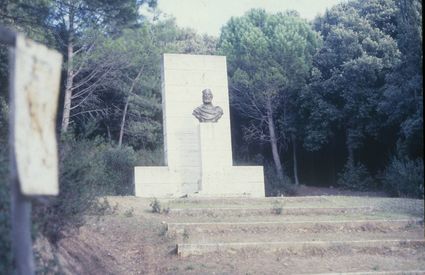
(35,81)
(156,182)
(198,155)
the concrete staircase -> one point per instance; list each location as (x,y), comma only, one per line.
(304,235)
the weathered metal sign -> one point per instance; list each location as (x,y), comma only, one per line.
(35,80)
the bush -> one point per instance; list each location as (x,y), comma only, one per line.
(158,208)
(118,170)
(88,169)
(117,175)
(355,177)
(5,226)
(277,207)
(404,177)
(79,169)
(275,186)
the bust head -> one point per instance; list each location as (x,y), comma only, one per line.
(207,96)
(207,112)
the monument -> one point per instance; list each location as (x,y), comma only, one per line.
(197,138)
(207,112)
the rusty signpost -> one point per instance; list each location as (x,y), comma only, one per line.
(34,79)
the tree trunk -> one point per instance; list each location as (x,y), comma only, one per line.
(124,113)
(273,141)
(294,154)
(69,74)
(108,130)
(333,166)
(350,150)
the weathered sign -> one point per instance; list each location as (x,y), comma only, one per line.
(35,80)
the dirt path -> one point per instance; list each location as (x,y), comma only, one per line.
(304,190)
(133,240)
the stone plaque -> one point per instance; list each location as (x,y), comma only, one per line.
(35,80)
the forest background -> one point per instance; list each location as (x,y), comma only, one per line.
(336,101)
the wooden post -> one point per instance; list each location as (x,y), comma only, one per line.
(34,79)
(21,223)
(20,205)
(7,37)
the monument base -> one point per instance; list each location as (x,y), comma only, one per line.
(218,176)
(215,177)
(235,181)
(156,182)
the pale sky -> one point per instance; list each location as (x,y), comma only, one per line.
(208,16)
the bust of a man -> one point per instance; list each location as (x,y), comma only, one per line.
(207,112)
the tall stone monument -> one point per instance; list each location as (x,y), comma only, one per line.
(197,138)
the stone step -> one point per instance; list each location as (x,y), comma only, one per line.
(236,237)
(315,226)
(194,199)
(223,202)
(336,261)
(300,232)
(393,204)
(253,203)
(239,216)
(304,248)
(391,272)
(238,211)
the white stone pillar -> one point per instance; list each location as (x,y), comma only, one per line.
(213,158)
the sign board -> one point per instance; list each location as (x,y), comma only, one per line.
(35,80)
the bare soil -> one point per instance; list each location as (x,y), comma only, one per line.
(304,190)
(133,240)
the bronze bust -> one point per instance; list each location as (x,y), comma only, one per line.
(207,112)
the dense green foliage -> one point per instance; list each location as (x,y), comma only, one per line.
(339,99)
(402,104)
(404,177)
(5,245)
(348,80)
(89,168)
(269,58)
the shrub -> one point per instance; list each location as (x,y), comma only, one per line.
(404,177)
(158,208)
(88,169)
(129,212)
(118,174)
(5,226)
(118,167)
(355,177)
(275,186)
(78,171)
(277,207)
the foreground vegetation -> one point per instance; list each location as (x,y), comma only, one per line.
(336,101)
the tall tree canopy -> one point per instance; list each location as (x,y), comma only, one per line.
(349,74)
(268,56)
(403,96)
(346,82)
(72,18)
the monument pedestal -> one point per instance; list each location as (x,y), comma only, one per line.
(198,156)
(214,158)
(158,181)
(218,176)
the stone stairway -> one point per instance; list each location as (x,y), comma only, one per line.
(304,235)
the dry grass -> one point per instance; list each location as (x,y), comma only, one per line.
(120,243)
